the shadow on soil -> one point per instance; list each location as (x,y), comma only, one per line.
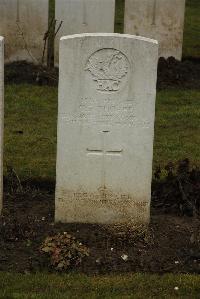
(172,243)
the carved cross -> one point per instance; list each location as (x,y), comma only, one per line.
(103,152)
(154,12)
(17,20)
(84,14)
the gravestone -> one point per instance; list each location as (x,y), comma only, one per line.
(162,20)
(107,95)
(81,16)
(23,23)
(1,117)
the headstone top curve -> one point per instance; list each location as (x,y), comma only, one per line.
(129,36)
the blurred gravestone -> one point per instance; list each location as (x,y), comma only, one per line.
(1,116)
(162,20)
(81,16)
(107,95)
(23,23)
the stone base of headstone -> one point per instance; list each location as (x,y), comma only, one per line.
(102,207)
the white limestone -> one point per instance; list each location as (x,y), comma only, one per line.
(1,117)
(107,94)
(23,23)
(81,16)
(162,20)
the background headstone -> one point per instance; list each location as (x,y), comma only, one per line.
(23,23)
(162,20)
(107,95)
(1,117)
(83,16)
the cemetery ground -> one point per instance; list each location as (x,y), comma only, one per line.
(172,243)
(112,270)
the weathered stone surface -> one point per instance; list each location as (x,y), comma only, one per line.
(23,23)
(162,20)
(107,95)
(1,117)
(81,16)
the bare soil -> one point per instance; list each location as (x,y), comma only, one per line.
(171,74)
(175,74)
(172,243)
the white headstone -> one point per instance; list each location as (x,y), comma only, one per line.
(23,23)
(107,95)
(81,16)
(1,117)
(162,20)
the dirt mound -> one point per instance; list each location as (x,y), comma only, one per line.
(28,73)
(171,74)
(174,73)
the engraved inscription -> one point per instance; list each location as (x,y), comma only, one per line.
(154,13)
(109,196)
(17,19)
(84,14)
(109,69)
(108,112)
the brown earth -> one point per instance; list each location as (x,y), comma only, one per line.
(176,74)
(172,243)
(171,74)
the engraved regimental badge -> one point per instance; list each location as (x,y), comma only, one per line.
(109,69)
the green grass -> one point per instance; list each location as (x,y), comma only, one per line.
(44,286)
(177,126)
(33,110)
(191,37)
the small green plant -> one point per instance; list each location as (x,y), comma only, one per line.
(64,251)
